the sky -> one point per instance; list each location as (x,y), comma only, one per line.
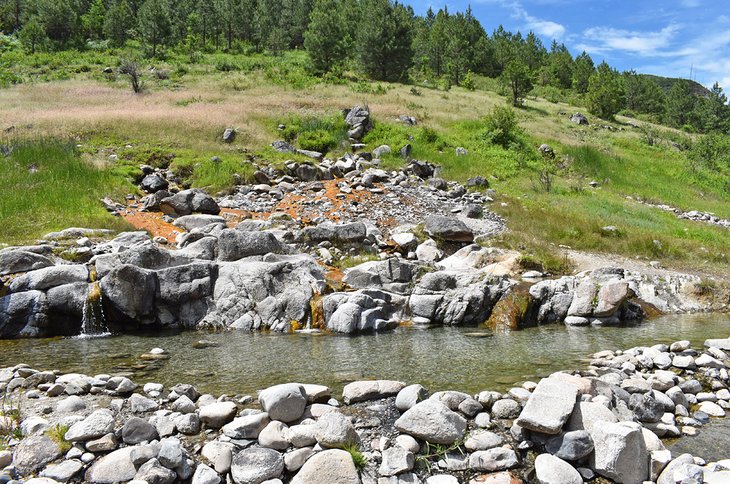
(672,38)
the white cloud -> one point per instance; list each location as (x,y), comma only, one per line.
(540,26)
(606,39)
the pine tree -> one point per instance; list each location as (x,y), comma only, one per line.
(93,20)
(58,19)
(118,22)
(32,35)
(384,40)
(583,69)
(715,111)
(153,22)
(605,92)
(643,94)
(326,39)
(681,104)
(517,77)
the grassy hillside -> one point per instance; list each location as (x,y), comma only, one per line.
(178,121)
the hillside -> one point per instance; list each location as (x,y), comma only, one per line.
(666,84)
(599,174)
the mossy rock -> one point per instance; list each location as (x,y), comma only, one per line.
(511,311)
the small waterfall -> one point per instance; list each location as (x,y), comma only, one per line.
(93,321)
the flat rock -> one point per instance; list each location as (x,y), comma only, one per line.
(493,460)
(433,422)
(247,427)
(620,452)
(570,446)
(34,452)
(112,468)
(96,425)
(331,466)
(361,391)
(216,415)
(549,407)
(256,465)
(553,470)
(64,471)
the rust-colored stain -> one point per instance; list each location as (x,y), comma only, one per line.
(292,205)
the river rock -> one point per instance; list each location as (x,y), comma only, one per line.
(256,465)
(620,452)
(667,475)
(587,414)
(570,446)
(205,475)
(275,436)
(333,465)
(712,409)
(335,430)
(646,407)
(218,414)
(448,229)
(136,430)
(48,277)
(247,427)
(219,454)
(553,470)
(112,468)
(34,452)
(285,402)
(235,244)
(96,425)
(396,460)
(482,440)
(433,422)
(14,261)
(610,298)
(187,202)
(153,183)
(361,391)
(140,404)
(188,424)
(549,407)
(64,471)
(154,472)
(505,409)
(106,443)
(722,344)
(493,460)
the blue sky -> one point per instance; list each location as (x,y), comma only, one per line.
(668,38)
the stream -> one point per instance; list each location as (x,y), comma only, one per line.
(465,359)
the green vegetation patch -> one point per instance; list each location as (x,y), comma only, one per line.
(47,186)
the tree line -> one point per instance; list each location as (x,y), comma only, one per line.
(383,39)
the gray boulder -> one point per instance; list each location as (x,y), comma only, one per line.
(205,475)
(46,278)
(23,314)
(112,468)
(361,391)
(493,460)
(410,396)
(34,452)
(98,424)
(549,406)
(136,430)
(234,244)
(256,465)
(197,221)
(129,293)
(153,183)
(63,471)
(448,229)
(246,427)
(553,470)
(187,202)
(396,460)
(153,472)
(284,402)
(335,466)
(216,415)
(571,446)
(334,430)
(14,261)
(433,422)
(620,452)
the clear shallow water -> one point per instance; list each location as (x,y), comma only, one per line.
(439,358)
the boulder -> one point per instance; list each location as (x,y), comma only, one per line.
(493,460)
(433,422)
(136,430)
(197,221)
(448,229)
(14,261)
(112,468)
(275,436)
(284,402)
(549,406)
(334,430)
(410,396)
(154,472)
(129,293)
(332,466)
(396,460)
(216,415)
(610,298)
(205,475)
(620,452)
(361,391)
(235,244)
(98,424)
(553,470)
(570,446)
(63,471)
(247,427)
(153,183)
(48,277)
(256,465)
(34,452)
(187,202)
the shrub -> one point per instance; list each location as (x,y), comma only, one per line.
(501,127)
(320,140)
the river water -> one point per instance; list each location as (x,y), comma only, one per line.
(441,358)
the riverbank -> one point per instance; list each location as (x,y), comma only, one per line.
(605,420)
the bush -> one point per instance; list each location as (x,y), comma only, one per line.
(501,127)
(319,140)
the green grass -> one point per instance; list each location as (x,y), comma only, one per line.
(357,456)
(57,434)
(47,186)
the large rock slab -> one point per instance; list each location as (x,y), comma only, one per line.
(448,229)
(433,422)
(549,406)
(256,465)
(46,278)
(361,391)
(235,244)
(620,452)
(34,452)
(285,402)
(96,425)
(335,466)
(552,470)
(112,468)
(13,261)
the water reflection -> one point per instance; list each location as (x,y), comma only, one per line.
(439,358)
